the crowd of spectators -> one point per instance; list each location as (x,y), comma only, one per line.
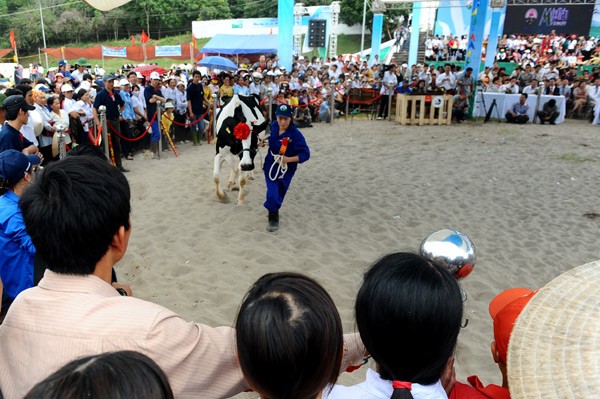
(565,50)
(317,89)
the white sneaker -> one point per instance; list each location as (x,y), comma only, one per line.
(379,118)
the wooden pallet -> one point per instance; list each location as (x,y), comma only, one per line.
(418,110)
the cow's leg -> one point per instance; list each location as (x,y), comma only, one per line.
(242,184)
(234,161)
(216,176)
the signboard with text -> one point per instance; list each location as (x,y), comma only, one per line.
(543,19)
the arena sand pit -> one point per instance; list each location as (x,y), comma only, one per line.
(371,187)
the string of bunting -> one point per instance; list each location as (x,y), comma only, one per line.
(138,137)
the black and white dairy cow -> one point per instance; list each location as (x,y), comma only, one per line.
(239,124)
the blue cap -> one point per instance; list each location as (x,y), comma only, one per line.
(108,77)
(62,63)
(14,164)
(284,110)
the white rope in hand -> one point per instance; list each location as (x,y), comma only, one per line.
(280,169)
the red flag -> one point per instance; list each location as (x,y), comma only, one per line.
(194,41)
(13,43)
(132,40)
(145,37)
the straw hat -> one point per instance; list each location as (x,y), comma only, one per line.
(554,349)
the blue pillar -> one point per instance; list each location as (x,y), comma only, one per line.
(490,54)
(285,49)
(376,33)
(414,34)
(475,43)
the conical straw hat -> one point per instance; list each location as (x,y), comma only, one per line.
(554,349)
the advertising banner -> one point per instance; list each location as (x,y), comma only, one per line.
(168,51)
(543,19)
(454,16)
(114,52)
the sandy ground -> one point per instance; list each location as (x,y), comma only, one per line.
(520,193)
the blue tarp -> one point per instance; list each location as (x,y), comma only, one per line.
(241,44)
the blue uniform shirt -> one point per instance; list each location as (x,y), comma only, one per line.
(17,253)
(112,103)
(12,139)
(195,95)
(149,91)
(296,146)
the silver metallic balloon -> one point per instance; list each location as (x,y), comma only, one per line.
(450,249)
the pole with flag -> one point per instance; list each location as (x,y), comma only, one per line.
(193,46)
(144,40)
(13,44)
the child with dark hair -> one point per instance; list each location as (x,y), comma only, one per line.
(112,375)
(289,338)
(408,313)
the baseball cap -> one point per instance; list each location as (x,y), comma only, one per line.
(66,88)
(85,85)
(108,77)
(505,309)
(117,83)
(181,82)
(284,110)
(154,75)
(125,82)
(62,63)
(139,75)
(14,164)
(14,103)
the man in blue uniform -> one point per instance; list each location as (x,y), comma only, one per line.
(17,115)
(287,148)
(17,252)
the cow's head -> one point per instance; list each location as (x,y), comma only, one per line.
(257,123)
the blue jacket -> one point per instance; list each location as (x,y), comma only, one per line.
(17,253)
(296,146)
(128,112)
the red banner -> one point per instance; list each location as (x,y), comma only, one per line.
(13,43)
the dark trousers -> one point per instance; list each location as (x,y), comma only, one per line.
(383,106)
(519,119)
(127,147)
(114,124)
(459,114)
(547,117)
(181,132)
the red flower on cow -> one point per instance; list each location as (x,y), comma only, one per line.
(241,131)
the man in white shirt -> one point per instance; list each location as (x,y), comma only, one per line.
(511,88)
(446,80)
(389,81)
(334,72)
(532,88)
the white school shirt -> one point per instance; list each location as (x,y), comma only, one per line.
(374,387)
